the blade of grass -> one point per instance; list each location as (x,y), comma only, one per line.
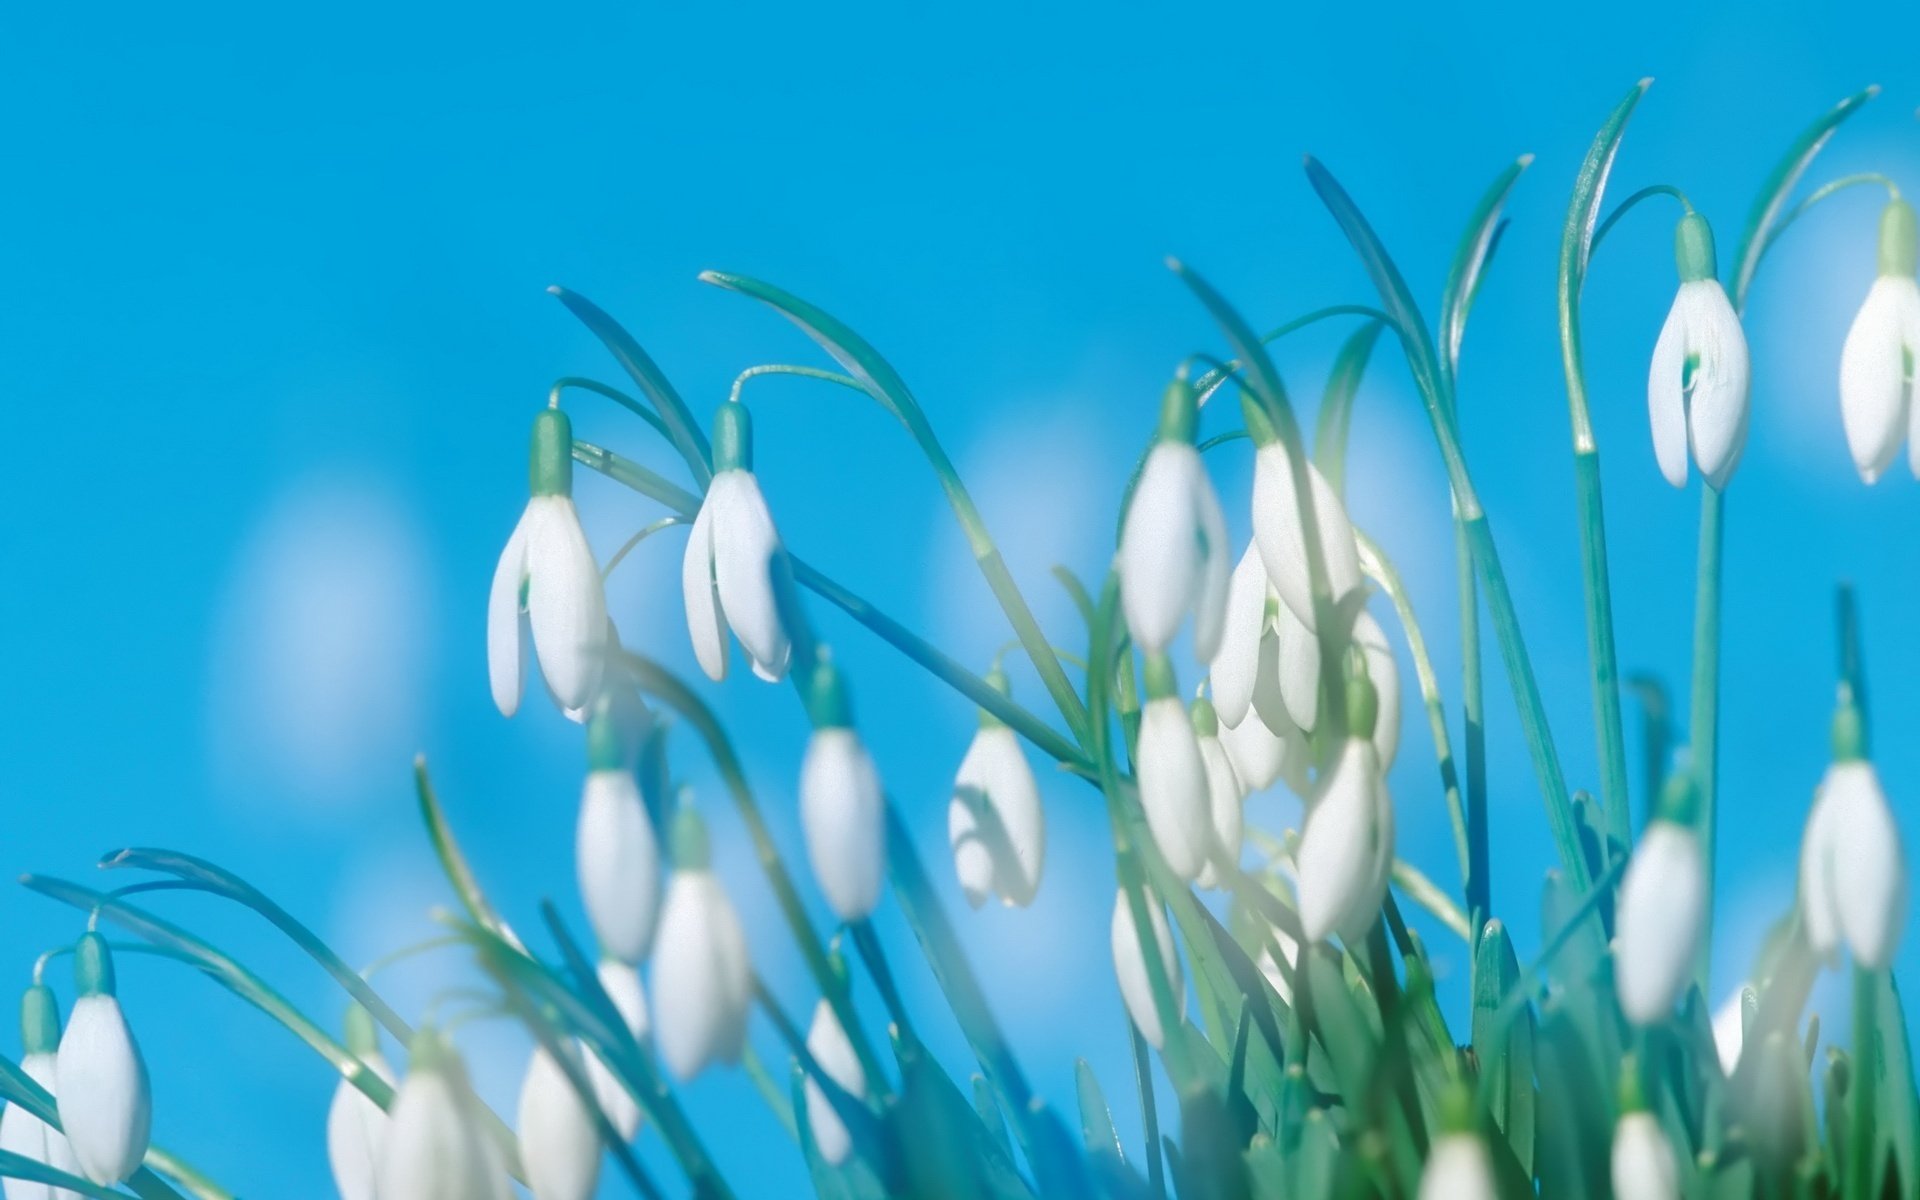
(682,429)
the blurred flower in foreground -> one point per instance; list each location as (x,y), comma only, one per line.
(994,821)
(1853,872)
(702,978)
(435,1147)
(1130,966)
(105,1105)
(1269,661)
(1173,544)
(1877,361)
(23,1133)
(356,1126)
(1173,779)
(842,808)
(1642,1162)
(1662,907)
(1346,845)
(828,1044)
(735,566)
(1697,383)
(622,986)
(559,1146)
(1458,1167)
(547,571)
(615,853)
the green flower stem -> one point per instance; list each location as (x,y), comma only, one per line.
(627,547)
(18,1166)
(1149,1111)
(740,380)
(655,680)
(1631,202)
(1866,1070)
(1215,378)
(1822,192)
(612,393)
(1705,708)
(868,944)
(682,430)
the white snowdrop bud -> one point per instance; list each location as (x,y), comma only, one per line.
(105,1105)
(1173,543)
(615,853)
(1458,1166)
(1661,911)
(21,1132)
(547,572)
(1280,530)
(1643,1162)
(356,1126)
(994,820)
(735,566)
(1130,967)
(1853,871)
(830,1047)
(702,978)
(559,1146)
(1172,776)
(1876,363)
(1224,797)
(1246,626)
(1697,382)
(435,1146)
(1730,1029)
(1346,846)
(622,986)
(842,809)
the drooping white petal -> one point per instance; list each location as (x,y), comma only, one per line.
(1279,531)
(24,1134)
(746,553)
(1161,551)
(1210,598)
(1660,917)
(1130,967)
(622,985)
(1875,387)
(1223,809)
(356,1131)
(702,979)
(1384,672)
(1236,661)
(1173,786)
(1458,1169)
(105,1105)
(435,1148)
(559,1146)
(1297,654)
(1260,757)
(566,605)
(1290,950)
(1717,406)
(1346,847)
(843,816)
(994,821)
(706,624)
(1819,911)
(617,859)
(1870,870)
(506,649)
(1666,394)
(1643,1164)
(830,1047)
(1730,1030)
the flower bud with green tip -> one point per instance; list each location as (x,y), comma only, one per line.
(830,1047)
(1173,543)
(702,977)
(1877,360)
(1279,526)
(436,1147)
(21,1132)
(1643,1165)
(616,855)
(1697,382)
(995,824)
(621,983)
(559,1145)
(356,1126)
(842,808)
(548,574)
(1662,907)
(736,567)
(1224,799)
(106,1104)
(1458,1167)
(1172,775)
(1130,966)
(1853,870)
(1346,844)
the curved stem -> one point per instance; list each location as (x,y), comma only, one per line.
(1627,205)
(582,383)
(627,547)
(740,381)
(1210,383)
(1821,193)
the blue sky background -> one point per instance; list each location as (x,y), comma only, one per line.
(274,326)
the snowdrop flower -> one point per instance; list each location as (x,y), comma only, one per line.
(435,1147)
(23,1133)
(1224,796)
(1384,673)
(1853,872)
(1260,756)
(1346,846)
(1458,1167)
(559,1146)
(1697,383)
(842,810)
(356,1126)
(1643,1165)
(994,821)
(828,1044)
(1876,363)
(1173,543)
(1730,1029)
(736,569)
(547,572)
(1269,660)
(1172,775)
(1279,529)
(702,979)
(105,1105)
(615,853)
(1662,908)
(622,986)
(1130,967)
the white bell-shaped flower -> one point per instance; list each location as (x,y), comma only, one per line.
(436,1147)
(105,1104)
(702,978)
(830,1047)
(1268,666)
(1172,775)
(1697,382)
(1643,1163)
(736,568)
(1853,870)
(1130,967)
(1279,527)
(547,572)
(1730,1029)
(843,811)
(994,821)
(1260,757)
(356,1126)
(622,985)
(1173,543)
(1662,907)
(1877,360)
(559,1145)
(1346,846)
(616,855)
(21,1132)
(1224,799)
(1458,1168)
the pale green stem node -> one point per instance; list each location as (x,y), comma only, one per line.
(1206,721)
(1363,700)
(1849,729)
(606,750)
(689,841)
(1160,678)
(1680,797)
(1898,240)
(1693,249)
(39,1021)
(550,459)
(93,966)
(362,1039)
(732,438)
(1259,425)
(827,701)
(1179,414)
(1632,1096)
